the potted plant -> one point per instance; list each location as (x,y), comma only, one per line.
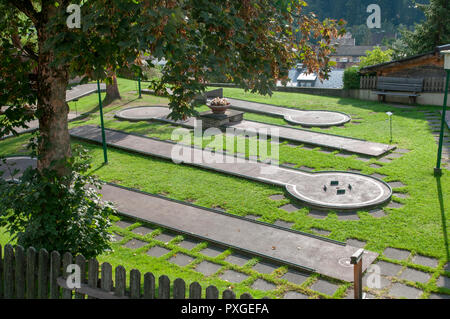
(219,105)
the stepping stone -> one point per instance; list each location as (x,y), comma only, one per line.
(207,268)
(364,159)
(157,251)
(377,213)
(290,208)
(181,259)
(263,285)
(135,244)
(415,275)
(233,276)
(324,287)
(277,197)
(322,232)
(402,291)
(443,282)
(425,261)
(306,168)
(384,160)
(265,268)
(212,251)
(348,216)
(282,223)
(398,254)
(401,195)
(291,145)
(368,282)
(189,243)
(252,217)
(356,243)
(309,147)
(220,209)
(394,155)
(357,171)
(396,205)
(379,176)
(165,238)
(344,155)
(142,231)
(396,184)
(295,295)
(123,224)
(295,277)
(375,165)
(116,238)
(326,151)
(401,150)
(439,296)
(291,165)
(318,214)
(389,269)
(237,259)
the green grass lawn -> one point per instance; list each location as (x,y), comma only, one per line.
(420,226)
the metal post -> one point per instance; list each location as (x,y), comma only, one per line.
(438,170)
(105,151)
(356,261)
(139,83)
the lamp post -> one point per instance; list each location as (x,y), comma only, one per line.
(438,170)
(105,152)
(390,123)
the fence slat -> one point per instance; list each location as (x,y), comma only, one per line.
(55,269)
(106,280)
(67,260)
(228,294)
(93,274)
(179,289)
(80,261)
(43,272)
(135,284)
(120,282)
(20,272)
(31,273)
(246,296)
(8,268)
(164,287)
(212,292)
(195,291)
(149,286)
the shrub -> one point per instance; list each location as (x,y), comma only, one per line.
(352,78)
(57,213)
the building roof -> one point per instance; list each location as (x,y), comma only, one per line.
(354,50)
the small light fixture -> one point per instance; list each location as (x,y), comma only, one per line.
(390,123)
(446,59)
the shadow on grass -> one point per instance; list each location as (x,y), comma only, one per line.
(442,210)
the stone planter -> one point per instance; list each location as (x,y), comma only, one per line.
(219,109)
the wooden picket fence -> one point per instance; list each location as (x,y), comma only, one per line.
(430,85)
(39,275)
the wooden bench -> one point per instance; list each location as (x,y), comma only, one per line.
(409,87)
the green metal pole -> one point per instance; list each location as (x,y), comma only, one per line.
(105,151)
(140,92)
(438,170)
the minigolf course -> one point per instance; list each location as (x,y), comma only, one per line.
(290,247)
(301,117)
(326,190)
(341,143)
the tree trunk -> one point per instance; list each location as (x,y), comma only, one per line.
(54,145)
(112,90)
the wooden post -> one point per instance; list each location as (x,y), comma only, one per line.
(55,270)
(20,272)
(356,261)
(149,286)
(31,273)
(9,272)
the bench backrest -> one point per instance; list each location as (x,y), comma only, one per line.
(400,84)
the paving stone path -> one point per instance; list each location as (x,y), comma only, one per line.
(335,142)
(434,120)
(291,115)
(327,190)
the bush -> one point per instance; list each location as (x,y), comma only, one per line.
(57,213)
(352,78)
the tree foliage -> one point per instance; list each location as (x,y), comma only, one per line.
(376,56)
(432,32)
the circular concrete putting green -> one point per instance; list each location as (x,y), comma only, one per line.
(143,113)
(318,118)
